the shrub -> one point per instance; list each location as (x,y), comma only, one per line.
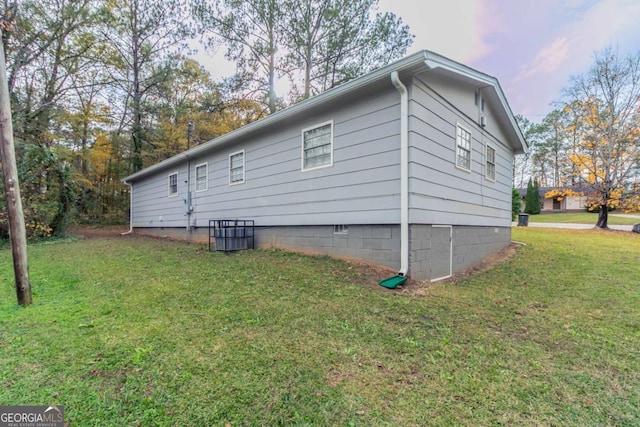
(516,203)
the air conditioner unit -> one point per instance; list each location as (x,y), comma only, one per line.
(483,121)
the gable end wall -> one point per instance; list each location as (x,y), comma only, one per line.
(441,193)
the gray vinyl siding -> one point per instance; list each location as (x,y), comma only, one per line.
(362,186)
(440,193)
(152,207)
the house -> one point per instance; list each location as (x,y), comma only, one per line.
(560,199)
(408,166)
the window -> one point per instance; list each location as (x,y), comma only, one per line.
(201,177)
(236,168)
(463,148)
(173,184)
(317,146)
(340,229)
(490,171)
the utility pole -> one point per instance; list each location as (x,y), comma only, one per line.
(17,230)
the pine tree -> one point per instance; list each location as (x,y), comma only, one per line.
(516,203)
(535,198)
(528,199)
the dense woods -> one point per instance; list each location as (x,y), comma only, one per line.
(101,89)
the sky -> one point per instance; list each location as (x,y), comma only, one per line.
(532,47)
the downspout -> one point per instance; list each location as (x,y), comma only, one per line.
(130,210)
(189,201)
(404,174)
(188,196)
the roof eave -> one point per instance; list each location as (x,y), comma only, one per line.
(437,61)
(412,61)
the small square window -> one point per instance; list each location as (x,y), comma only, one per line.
(173,184)
(201,177)
(490,172)
(340,229)
(236,168)
(317,146)
(463,148)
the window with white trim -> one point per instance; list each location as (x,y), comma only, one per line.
(173,184)
(201,177)
(236,168)
(463,148)
(490,171)
(317,146)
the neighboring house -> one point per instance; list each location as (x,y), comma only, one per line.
(563,199)
(408,166)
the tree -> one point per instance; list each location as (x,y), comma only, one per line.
(50,45)
(142,34)
(553,147)
(320,43)
(251,30)
(11,183)
(536,197)
(546,159)
(532,205)
(522,168)
(516,203)
(333,41)
(604,104)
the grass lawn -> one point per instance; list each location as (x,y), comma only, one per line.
(582,218)
(143,332)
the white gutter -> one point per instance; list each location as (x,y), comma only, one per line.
(130,210)
(404,173)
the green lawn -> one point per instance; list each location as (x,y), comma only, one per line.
(142,332)
(582,218)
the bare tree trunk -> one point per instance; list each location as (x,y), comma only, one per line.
(136,131)
(307,75)
(603,216)
(17,230)
(271,96)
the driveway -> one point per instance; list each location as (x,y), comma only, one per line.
(573,226)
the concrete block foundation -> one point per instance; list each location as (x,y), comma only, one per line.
(434,251)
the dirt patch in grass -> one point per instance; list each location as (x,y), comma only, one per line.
(487,263)
(369,274)
(98,232)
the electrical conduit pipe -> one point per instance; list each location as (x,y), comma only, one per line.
(130,210)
